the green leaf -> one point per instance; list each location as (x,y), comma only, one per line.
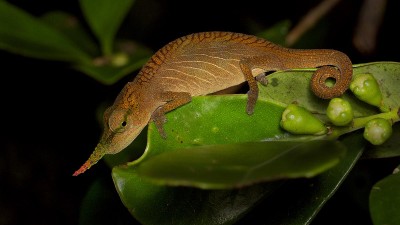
(216,119)
(384,200)
(71,27)
(182,206)
(303,199)
(238,165)
(104,18)
(391,148)
(130,56)
(24,34)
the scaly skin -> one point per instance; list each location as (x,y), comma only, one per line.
(204,63)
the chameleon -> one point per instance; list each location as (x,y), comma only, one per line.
(204,63)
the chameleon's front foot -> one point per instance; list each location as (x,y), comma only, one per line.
(159,119)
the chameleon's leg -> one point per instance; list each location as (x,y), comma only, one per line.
(174,100)
(252,94)
(264,62)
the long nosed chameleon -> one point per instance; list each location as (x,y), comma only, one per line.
(201,64)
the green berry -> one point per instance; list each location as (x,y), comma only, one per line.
(377,131)
(339,112)
(297,120)
(366,88)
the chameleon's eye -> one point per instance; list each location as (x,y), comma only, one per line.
(124,123)
(117,121)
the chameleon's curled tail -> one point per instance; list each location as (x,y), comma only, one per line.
(97,154)
(331,64)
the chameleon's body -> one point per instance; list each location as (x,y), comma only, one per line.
(204,63)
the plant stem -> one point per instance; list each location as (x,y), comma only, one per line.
(358,123)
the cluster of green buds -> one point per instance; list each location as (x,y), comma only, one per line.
(366,88)
(298,120)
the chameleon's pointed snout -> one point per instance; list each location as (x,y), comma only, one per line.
(82,169)
(97,154)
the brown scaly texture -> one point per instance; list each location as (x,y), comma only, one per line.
(288,59)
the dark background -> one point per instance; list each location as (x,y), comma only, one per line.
(48,111)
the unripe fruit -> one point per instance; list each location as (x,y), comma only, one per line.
(377,131)
(297,120)
(366,88)
(339,112)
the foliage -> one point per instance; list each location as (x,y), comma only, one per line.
(384,199)
(217,155)
(61,37)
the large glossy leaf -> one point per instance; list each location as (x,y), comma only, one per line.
(238,165)
(210,120)
(26,35)
(105,18)
(303,199)
(384,200)
(162,205)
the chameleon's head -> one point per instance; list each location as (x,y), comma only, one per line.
(122,124)
(121,127)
